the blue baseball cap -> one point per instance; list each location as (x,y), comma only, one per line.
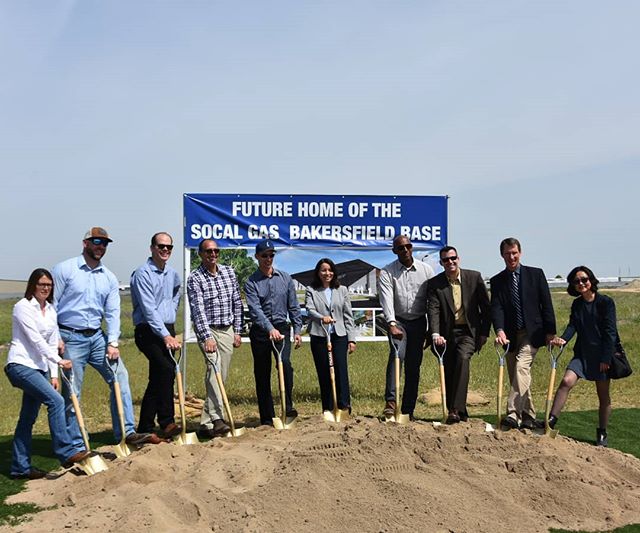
(265,245)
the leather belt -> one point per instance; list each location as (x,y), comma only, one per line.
(84,332)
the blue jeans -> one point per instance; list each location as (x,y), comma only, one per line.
(37,390)
(92,350)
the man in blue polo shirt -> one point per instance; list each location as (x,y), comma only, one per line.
(272,302)
(155,295)
(86,292)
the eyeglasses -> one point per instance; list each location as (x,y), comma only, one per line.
(45,285)
(211,251)
(401,247)
(452,258)
(99,242)
(268,256)
(164,247)
(582,281)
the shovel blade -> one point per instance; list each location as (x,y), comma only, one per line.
(288,423)
(329,416)
(123,449)
(186,438)
(92,465)
(397,419)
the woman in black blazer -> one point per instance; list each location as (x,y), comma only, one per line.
(593,318)
(329,306)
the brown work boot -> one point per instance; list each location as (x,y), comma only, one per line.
(171,430)
(389,408)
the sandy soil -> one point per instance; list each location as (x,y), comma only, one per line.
(360,476)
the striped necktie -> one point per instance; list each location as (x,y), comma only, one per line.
(515,294)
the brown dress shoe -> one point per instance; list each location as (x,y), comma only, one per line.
(171,430)
(34,473)
(76,458)
(389,409)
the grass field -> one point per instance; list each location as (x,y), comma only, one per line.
(367,368)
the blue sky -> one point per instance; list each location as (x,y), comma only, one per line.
(525,113)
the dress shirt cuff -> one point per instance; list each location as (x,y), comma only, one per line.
(435,335)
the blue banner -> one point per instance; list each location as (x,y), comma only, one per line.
(320,221)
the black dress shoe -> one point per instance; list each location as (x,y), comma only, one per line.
(206,433)
(601,438)
(509,423)
(531,423)
(464,416)
(34,473)
(292,413)
(453,418)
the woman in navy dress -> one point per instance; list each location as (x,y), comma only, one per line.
(593,318)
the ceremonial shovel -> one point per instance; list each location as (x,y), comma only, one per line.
(122,449)
(398,417)
(94,463)
(443,389)
(284,422)
(554,354)
(337,415)
(184,437)
(225,400)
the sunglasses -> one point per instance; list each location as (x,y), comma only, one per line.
(452,258)
(268,256)
(45,285)
(99,242)
(401,247)
(164,247)
(582,281)
(211,251)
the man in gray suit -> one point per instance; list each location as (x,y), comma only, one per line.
(459,320)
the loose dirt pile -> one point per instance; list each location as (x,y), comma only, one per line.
(359,476)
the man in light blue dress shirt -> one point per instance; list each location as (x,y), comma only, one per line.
(86,292)
(155,295)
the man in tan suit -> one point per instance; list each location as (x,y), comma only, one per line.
(459,319)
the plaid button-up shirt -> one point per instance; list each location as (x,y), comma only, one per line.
(214,300)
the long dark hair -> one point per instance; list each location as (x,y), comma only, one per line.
(34,278)
(571,289)
(317,282)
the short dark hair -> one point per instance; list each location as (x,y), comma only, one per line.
(33,280)
(446,249)
(571,288)
(317,282)
(508,243)
(201,244)
(155,235)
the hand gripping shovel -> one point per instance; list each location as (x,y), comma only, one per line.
(122,449)
(398,417)
(337,415)
(94,463)
(554,354)
(235,432)
(284,422)
(443,388)
(184,437)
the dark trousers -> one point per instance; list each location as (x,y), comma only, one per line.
(261,348)
(460,348)
(321,360)
(416,331)
(158,398)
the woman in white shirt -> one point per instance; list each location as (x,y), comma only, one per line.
(33,354)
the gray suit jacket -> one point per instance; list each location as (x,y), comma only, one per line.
(340,311)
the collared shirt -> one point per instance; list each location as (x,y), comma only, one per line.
(35,336)
(456,291)
(155,295)
(84,296)
(403,291)
(272,299)
(214,300)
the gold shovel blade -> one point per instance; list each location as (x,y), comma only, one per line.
(92,465)
(122,449)
(397,419)
(288,423)
(329,416)
(186,438)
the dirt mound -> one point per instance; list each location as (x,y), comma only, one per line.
(632,285)
(359,476)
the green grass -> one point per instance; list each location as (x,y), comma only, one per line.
(366,368)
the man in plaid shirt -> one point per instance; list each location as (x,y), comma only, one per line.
(216,313)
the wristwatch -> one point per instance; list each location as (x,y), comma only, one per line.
(393,323)
(113,344)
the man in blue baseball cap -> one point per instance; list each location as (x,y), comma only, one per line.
(273,309)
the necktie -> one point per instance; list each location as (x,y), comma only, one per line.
(515,294)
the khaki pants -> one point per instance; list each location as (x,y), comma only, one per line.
(213,408)
(519,360)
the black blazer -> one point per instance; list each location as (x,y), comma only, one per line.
(537,308)
(475,301)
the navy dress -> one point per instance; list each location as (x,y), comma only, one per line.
(595,324)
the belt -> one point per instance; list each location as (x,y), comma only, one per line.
(224,326)
(84,332)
